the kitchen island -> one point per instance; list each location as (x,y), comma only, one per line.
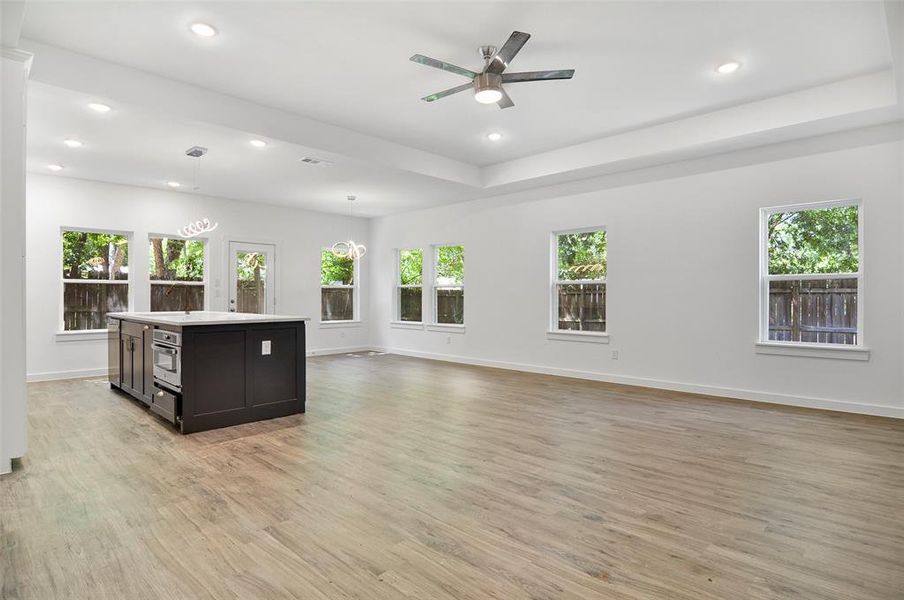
(204,370)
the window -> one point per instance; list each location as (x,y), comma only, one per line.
(95,278)
(449,285)
(176,270)
(579,281)
(338,287)
(409,285)
(811,274)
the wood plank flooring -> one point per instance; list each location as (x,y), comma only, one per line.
(416,479)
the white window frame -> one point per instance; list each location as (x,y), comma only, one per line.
(356,296)
(64,334)
(554,333)
(397,290)
(204,282)
(433,324)
(764,345)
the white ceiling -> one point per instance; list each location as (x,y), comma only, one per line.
(133,146)
(333,79)
(347,63)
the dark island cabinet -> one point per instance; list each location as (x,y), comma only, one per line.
(230,373)
(137,360)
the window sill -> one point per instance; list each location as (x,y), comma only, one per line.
(445,327)
(339,324)
(593,337)
(838,351)
(406,325)
(81,335)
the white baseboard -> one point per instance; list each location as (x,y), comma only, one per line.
(74,374)
(82,373)
(345,350)
(708,390)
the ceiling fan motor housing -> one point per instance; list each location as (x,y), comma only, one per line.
(487,81)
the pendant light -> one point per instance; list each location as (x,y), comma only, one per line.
(349,248)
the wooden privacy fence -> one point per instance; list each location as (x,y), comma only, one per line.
(450,306)
(337,304)
(816,311)
(582,306)
(169,297)
(86,304)
(411,304)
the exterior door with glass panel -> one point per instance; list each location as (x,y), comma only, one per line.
(252,274)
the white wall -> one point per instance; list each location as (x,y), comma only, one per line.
(682,282)
(14,67)
(55,202)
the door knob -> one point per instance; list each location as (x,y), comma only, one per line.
(160,394)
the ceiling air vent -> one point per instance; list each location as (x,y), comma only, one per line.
(311,160)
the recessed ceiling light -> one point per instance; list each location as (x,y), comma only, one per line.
(728,68)
(73,143)
(203,29)
(55,167)
(258,143)
(99,107)
(494,136)
(173,184)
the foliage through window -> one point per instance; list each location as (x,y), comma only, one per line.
(176,271)
(449,285)
(251,282)
(579,290)
(409,287)
(95,278)
(812,280)
(338,293)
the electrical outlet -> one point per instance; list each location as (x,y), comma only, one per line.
(449,339)
(342,334)
(265,348)
(615,355)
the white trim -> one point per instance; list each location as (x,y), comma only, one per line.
(355,287)
(445,327)
(81,335)
(229,268)
(434,286)
(840,351)
(765,277)
(407,325)
(339,324)
(596,337)
(341,350)
(811,276)
(881,410)
(130,290)
(555,282)
(73,374)
(396,299)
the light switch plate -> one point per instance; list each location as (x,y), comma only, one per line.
(265,347)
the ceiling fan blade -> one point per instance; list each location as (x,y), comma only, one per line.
(505,101)
(508,51)
(537,75)
(449,92)
(438,64)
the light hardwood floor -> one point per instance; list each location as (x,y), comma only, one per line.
(416,479)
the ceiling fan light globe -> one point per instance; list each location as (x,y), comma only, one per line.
(488,96)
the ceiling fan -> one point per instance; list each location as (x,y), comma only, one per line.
(487,84)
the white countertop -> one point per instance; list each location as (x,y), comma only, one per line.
(180,319)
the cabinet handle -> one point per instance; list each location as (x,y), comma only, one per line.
(160,394)
(146,327)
